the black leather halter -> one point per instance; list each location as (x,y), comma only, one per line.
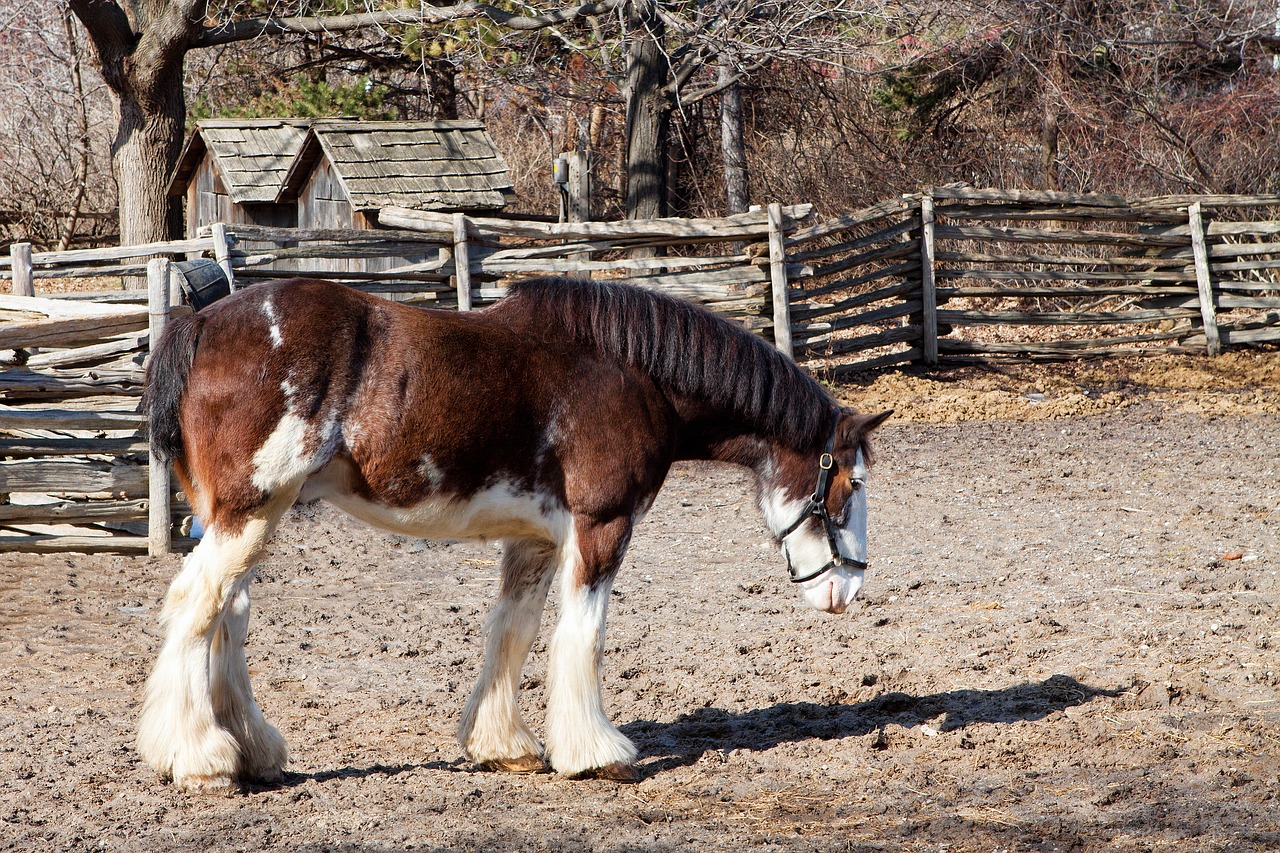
(817,506)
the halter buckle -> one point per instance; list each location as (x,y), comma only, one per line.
(826,462)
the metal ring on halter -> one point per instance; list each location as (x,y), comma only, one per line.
(817,506)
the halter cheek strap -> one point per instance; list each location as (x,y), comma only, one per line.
(817,506)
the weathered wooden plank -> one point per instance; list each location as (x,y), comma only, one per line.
(1061,318)
(21,384)
(51,544)
(1183,201)
(159,520)
(140,250)
(1204,283)
(1061,260)
(1054,212)
(73,476)
(69,331)
(874,213)
(129,342)
(778,281)
(1241,229)
(66,512)
(571,265)
(884,235)
(735,227)
(1236,336)
(842,370)
(892,292)
(248,259)
(347,276)
(1255,265)
(911,265)
(893,251)
(1075,236)
(742,276)
(1241,250)
(1065,347)
(826,346)
(20,267)
(928,286)
(24,448)
(1031,196)
(945,293)
(889,312)
(18,418)
(1066,275)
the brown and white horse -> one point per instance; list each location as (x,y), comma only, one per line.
(547,421)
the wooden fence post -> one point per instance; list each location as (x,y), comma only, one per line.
(159,519)
(222,252)
(778,280)
(1204,284)
(578,198)
(928,285)
(462,261)
(23,283)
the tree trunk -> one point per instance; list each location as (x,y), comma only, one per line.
(145,149)
(140,55)
(732,149)
(648,114)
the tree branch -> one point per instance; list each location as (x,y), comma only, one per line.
(233,31)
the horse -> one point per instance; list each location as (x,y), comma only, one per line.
(547,420)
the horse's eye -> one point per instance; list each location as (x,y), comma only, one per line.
(857,484)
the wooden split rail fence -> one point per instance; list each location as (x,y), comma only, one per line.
(961,274)
(950,275)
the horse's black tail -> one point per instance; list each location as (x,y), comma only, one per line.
(167,371)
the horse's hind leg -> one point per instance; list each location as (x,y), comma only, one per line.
(491,731)
(199,723)
(262,748)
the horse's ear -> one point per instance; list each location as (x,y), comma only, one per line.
(858,426)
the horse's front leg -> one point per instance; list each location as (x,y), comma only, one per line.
(491,731)
(580,738)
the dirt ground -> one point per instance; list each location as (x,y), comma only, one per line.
(1068,641)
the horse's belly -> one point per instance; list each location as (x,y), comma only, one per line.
(500,511)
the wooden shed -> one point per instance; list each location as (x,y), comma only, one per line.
(231,170)
(346,171)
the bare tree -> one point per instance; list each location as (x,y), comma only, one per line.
(54,184)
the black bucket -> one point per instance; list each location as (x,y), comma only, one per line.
(203,281)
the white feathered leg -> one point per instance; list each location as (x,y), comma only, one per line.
(580,737)
(199,724)
(263,752)
(491,731)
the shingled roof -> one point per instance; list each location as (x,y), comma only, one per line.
(252,156)
(442,165)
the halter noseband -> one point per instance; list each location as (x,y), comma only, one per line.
(817,506)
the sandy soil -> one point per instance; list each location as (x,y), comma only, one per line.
(1069,641)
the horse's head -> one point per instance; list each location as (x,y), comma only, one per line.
(816,506)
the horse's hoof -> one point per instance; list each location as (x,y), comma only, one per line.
(524,764)
(267,776)
(218,784)
(616,772)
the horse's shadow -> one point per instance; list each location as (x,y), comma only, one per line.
(665,746)
(682,742)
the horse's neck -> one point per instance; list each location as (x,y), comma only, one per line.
(711,438)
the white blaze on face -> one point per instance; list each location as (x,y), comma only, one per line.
(807,549)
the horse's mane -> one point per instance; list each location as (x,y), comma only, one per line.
(687,350)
